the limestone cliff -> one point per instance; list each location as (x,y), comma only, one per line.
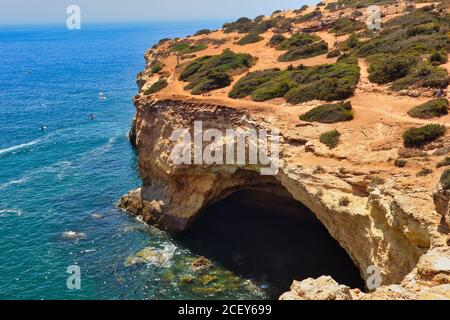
(382,215)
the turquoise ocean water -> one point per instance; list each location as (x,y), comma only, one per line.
(68,177)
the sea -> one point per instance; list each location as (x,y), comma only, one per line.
(62,170)
(65,160)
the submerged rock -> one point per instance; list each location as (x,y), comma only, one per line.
(200,264)
(72,235)
(157,257)
(207,279)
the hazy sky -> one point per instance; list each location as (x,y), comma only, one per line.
(54,11)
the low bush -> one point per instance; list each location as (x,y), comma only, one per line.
(157,86)
(330,138)
(186,48)
(385,68)
(309,16)
(298,40)
(156,66)
(248,39)
(445,180)
(431,109)
(242,25)
(329,113)
(328,82)
(213,72)
(345,25)
(418,137)
(304,52)
(439,57)
(246,85)
(334,53)
(424,172)
(400,163)
(352,41)
(423,75)
(302,8)
(276,40)
(444,163)
(261,26)
(202,32)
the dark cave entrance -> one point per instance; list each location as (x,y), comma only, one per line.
(265,235)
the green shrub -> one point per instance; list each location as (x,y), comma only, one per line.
(297,40)
(345,25)
(418,137)
(156,66)
(439,57)
(164,40)
(445,180)
(444,163)
(157,86)
(213,72)
(329,113)
(202,32)
(330,138)
(307,51)
(186,48)
(384,68)
(400,163)
(262,26)
(248,39)
(309,16)
(328,82)
(353,41)
(424,172)
(276,40)
(270,90)
(431,109)
(427,28)
(423,75)
(302,8)
(246,85)
(242,25)
(333,6)
(282,24)
(334,53)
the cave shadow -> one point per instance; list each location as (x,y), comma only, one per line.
(269,237)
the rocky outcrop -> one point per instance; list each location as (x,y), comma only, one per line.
(381,225)
(430,280)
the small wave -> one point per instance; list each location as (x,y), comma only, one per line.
(19,147)
(13,182)
(10,213)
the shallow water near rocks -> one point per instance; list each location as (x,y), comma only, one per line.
(58,187)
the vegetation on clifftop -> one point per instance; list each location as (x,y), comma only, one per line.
(409,49)
(418,137)
(330,138)
(250,38)
(445,180)
(157,86)
(327,82)
(329,113)
(430,109)
(213,72)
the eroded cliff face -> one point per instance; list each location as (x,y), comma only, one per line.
(369,209)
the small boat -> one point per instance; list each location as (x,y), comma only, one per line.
(43,128)
(92,116)
(102,96)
